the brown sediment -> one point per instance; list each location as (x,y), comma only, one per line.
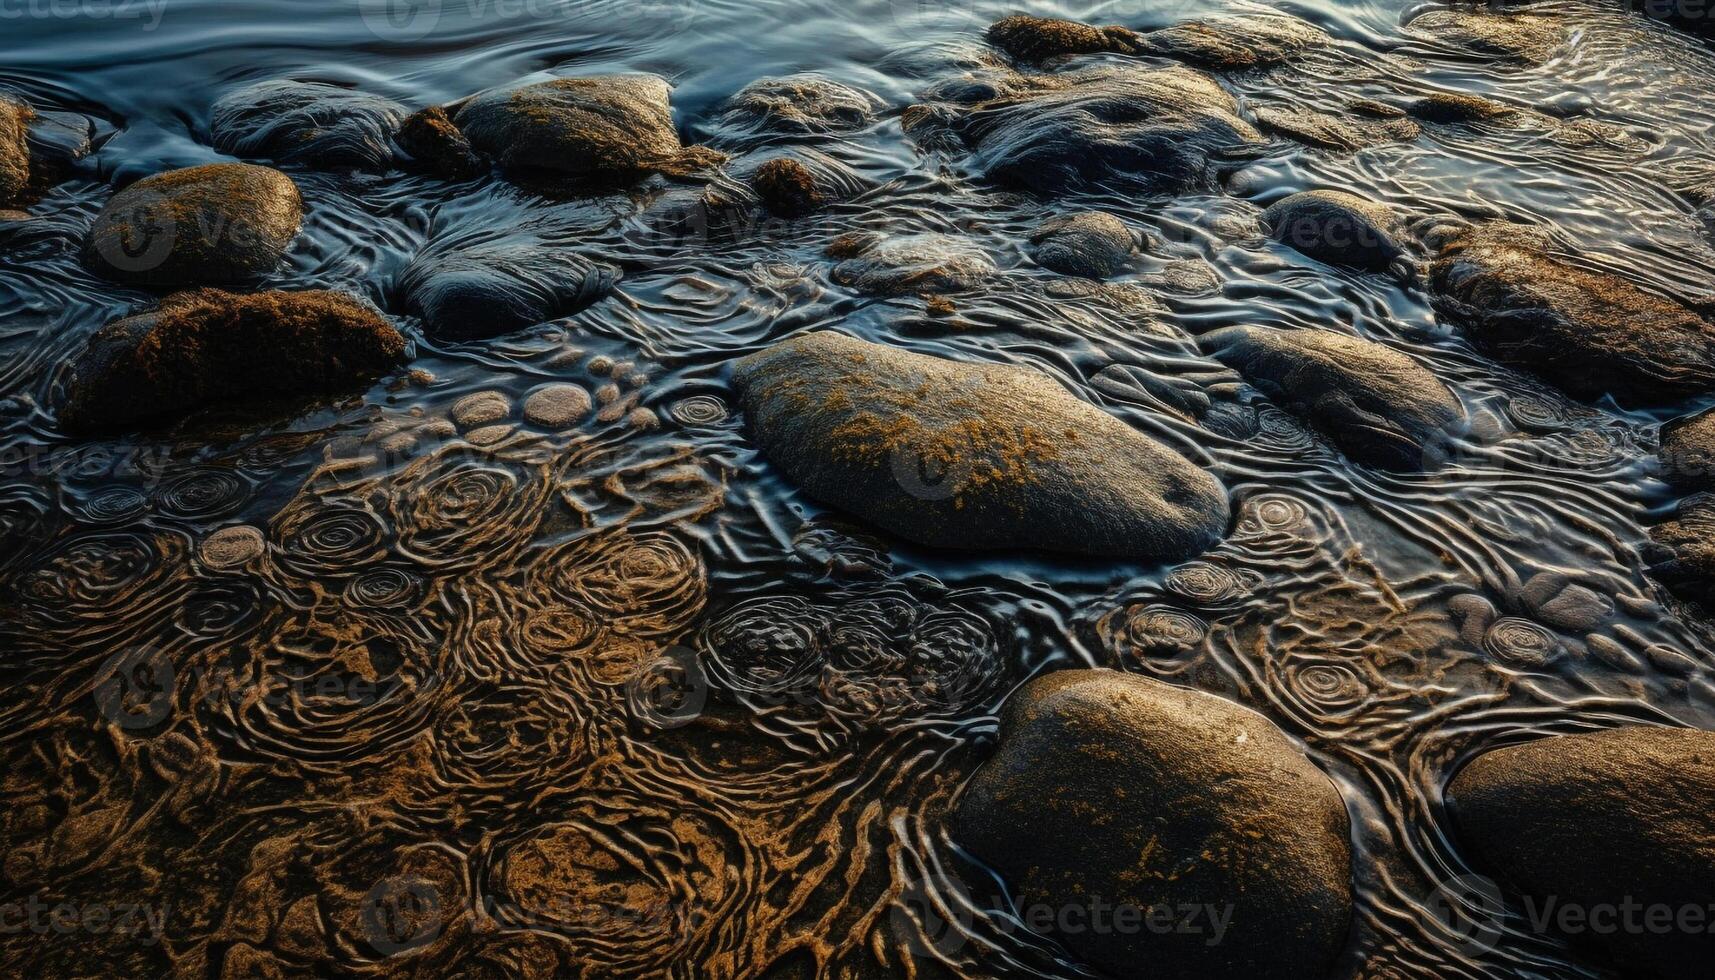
(15,119)
(787,188)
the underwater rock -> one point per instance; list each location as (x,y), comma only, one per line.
(1524,38)
(595,131)
(1117,126)
(557,406)
(1381,407)
(798,105)
(1036,39)
(787,188)
(1337,228)
(1091,244)
(1686,456)
(15,119)
(215,224)
(308,123)
(1233,43)
(208,346)
(959,455)
(1590,333)
(431,143)
(1681,552)
(1367,124)
(1147,796)
(908,264)
(1646,795)
(1457,107)
(472,291)
(1557,600)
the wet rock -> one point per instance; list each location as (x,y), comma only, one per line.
(480,408)
(309,123)
(468,291)
(1131,383)
(15,119)
(1091,244)
(1558,601)
(1457,107)
(1119,127)
(797,105)
(208,346)
(1591,333)
(787,188)
(1686,455)
(1524,38)
(557,406)
(1154,797)
(1681,553)
(971,456)
(232,547)
(908,264)
(793,182)
(1331,132)
(1337,228)
(1647,795)
(432,143)
(595,131)
(1381,407)
(214,224)
(1232,43)
(1037,39)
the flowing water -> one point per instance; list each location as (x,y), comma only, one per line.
(403,713)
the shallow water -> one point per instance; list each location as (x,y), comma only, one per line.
(409,723)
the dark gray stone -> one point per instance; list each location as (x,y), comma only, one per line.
(472,291)
(1337,228)
(309,123)
(1089,244)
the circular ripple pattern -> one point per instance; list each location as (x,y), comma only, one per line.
(317,539)
(202,495)
(698,410)
(1521,643)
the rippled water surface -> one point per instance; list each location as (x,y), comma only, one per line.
(400,711)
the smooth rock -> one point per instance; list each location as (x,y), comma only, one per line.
(1379,406)
(908,264)
(232,547)
(1523,38)
(1236,42)
(466,290)
(15,119)
(1115,787)
(1590,333)
(1036,39)
(1681,552)
(1337,228)
(207,346)
(595,131)
(1120,127)
(309,123)
(480,408)
(965,456)
(1612,818)
(219,223)
(798,105)
(1558,601)
(557,406)
(432,144)
(1091,244)
(1686,455)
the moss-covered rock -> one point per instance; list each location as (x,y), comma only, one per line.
(1380,406)
(15,119)
(1591,333)
(1036,39)
(796,105)
(1686,453)
(1114,788)
(214,224)
(1236,42)
(1616,820)
(965,456)
(597,131)
(209,346)
(431,143)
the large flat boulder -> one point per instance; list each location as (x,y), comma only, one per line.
(959,455)
(1620,820)
(595,130)
(216,224)
(1378,405)
(1167,802)
(1590,333)
(208,346)
(309,123)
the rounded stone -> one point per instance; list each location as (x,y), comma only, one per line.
(231,547)
(557,406)
(480,409)
(1337,228)
(1091,244)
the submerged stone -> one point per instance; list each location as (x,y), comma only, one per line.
(1152,798)
(1327,131)
(1458,107)
(207,346)
(15,119)
(1525,38)
(1591,333)
(1229,43)
(1091,244)
(908,264)
(798,105)
(1117,127)
(1378,405)
(1687,451)
(1037,39)
(1681,552)
(593,131)
(956,455)
(1646,798)
(1337,228)
(787,188)
(431,143)
(471,291)
(214,224)
(309,123)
